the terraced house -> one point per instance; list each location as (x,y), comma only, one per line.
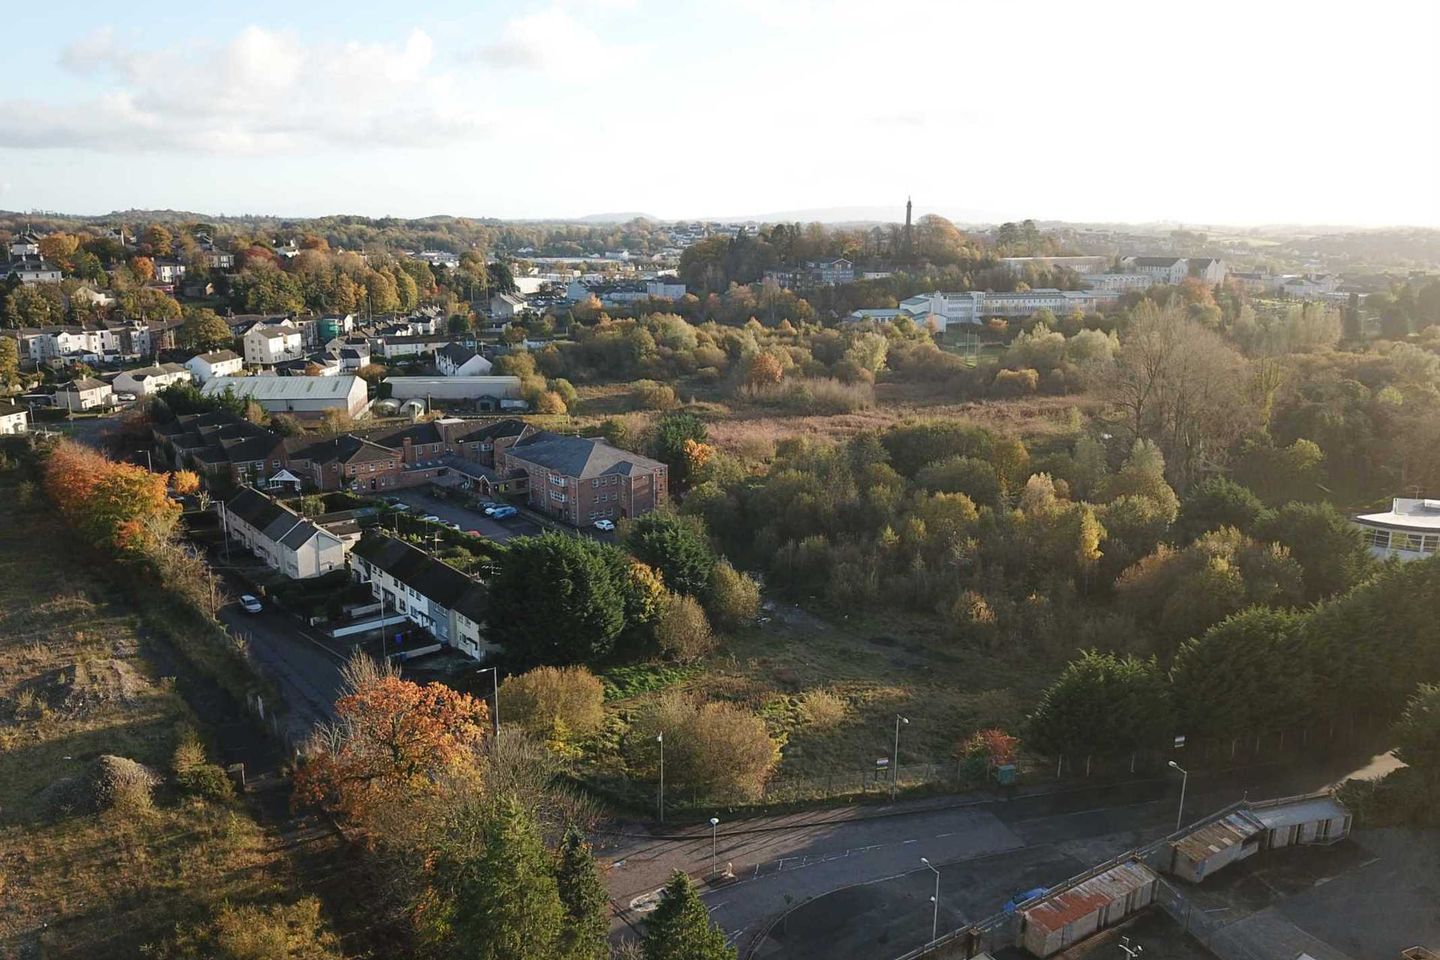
(431,594)
(286,541)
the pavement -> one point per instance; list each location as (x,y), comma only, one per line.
(851,880)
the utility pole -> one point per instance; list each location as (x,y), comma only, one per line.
(895,759)
(1184,779)
(660,739)
(935,912)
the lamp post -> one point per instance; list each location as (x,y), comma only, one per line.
(494,714)
(1184,779)
(714,856)
(660,739)
(895,758)
(374,585)
(935,913)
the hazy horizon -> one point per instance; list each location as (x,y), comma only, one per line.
(1227,115)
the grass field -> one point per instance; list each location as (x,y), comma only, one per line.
(830,691)
(77,681)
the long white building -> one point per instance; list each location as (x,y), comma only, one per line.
(302,395)
(1409,530)
(974,306)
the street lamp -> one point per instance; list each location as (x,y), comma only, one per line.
(373,585)
(714,857)
(660,739)
(495,678)
(935,913)
(895,759)
(1184,779)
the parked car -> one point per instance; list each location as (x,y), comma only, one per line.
(606,525)
(489,507)
(450,524)
(1014,902)
(430,518)
(503,513)
(250,604)
(125,397)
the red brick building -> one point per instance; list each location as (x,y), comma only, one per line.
(582,479)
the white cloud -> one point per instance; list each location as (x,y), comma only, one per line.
(262,91)
(550,41)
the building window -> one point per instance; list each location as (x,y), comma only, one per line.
(1430,543)
(1377,538)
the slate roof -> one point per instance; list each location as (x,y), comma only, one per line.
(1155,261)
(217,356)
(84,383)
(457,353)
(10,409)
(579,457)
(437,581)
(275,521)
(342,448)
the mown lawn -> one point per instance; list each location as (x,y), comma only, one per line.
(74,685)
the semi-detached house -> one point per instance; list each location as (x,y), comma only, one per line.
(431,594)
(286,541)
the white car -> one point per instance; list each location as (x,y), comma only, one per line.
(606,525)
(125,397)
(429,518)
(250,604)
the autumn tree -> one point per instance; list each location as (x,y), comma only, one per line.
(712,749)
(9,362)
(203,330)
(556,703)
(734,597)
(390,738)
(682,629)
(122,506)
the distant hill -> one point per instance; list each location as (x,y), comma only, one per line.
(618,218)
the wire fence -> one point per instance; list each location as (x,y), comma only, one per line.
(1196,754)
(1223,939)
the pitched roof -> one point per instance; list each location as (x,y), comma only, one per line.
(275,521)
(84,383)
(342,448)
(10,409)
(579,457)
(457,353)
(434,579)
(217,356)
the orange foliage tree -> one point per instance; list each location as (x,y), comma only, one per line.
(697,454)
(994,746)
(184,481)
(117,504)
(391,741)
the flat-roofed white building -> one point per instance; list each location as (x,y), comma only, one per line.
(302,395)
(1409,530)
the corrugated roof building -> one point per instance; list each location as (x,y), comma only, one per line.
(1070,914)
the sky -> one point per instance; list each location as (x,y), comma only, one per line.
(1244,113)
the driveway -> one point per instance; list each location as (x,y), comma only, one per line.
(499,530)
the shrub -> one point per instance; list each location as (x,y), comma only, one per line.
(734,598)
(713,750)
(557,703)
(656,396)
(1016,383)
(819,395)
(208,782)
(682,630)
(120,784)
(823,710)
(251,932)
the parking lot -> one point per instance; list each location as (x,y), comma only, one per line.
(421,503)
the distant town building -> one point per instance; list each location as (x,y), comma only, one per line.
(150,380)
(267,344)
(306,396)
(1081,265)
(13,418)
(216,363)
(458,360)
(86,393)
(1409,530)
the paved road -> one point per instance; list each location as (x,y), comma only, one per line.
(869,893)
(297,660)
